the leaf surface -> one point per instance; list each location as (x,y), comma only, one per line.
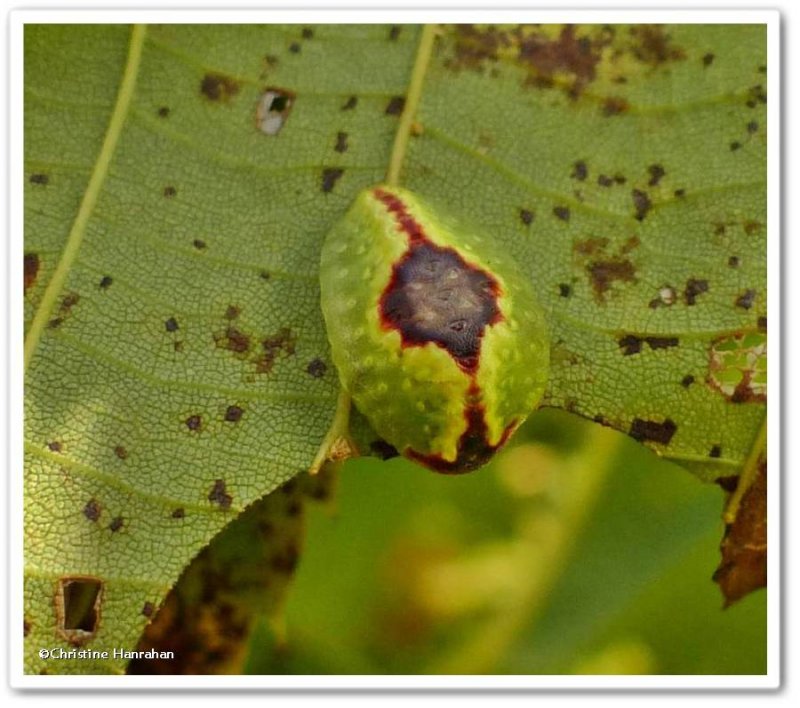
(180,370)
(625,168)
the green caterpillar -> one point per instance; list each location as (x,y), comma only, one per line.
(437,337)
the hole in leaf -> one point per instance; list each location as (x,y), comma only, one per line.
(273,110)
(78,601)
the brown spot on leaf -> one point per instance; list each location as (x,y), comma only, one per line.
(394,32)
(746,299)
(218,87)
(694,288)
(652,431)
(652,45)
(65,309)
(341,142)
(687,381)
(330,175)
(39,178)
(163,112)
(605,181)
(751,227)
(642,203)
(264,275)
(54,446)
(395,106)
(194,422)
(716,451)
(284,340)
(475,46)
(614,105)
(656,173)
(105,282)
(316,368)
(526,216)
(561,212)
(603,274)
(564,289)
(733,262)
(233,414)
(232,312)
(743,567)
(233,339)
(170,191)
(569,54)
(350,103)
(92,510)
(219,495)
(121,452)
(148,609)
(762,323)
(708,59)
(756,95)
(116,524)
(590,246)
(69,301)
(294,48)
(171,325)
(579,171)
(199,244)
(631,344)
(661,342)
(631,243)
(31,272)
(735,145)
(307,33)
(679,193)
(178,513)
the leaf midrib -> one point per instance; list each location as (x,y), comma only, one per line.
(90,197)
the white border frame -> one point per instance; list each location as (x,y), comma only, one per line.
(17,20)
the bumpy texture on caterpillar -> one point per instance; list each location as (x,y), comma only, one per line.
(436,335)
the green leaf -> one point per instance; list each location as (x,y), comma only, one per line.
(603,159)
(575,551)
(176,362)
(243,574)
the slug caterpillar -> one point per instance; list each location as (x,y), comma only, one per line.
(437,336)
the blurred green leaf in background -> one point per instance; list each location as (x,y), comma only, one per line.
(574,552)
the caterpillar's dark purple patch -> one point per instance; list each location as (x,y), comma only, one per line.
(434,295)
(474,449)
(405,221)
